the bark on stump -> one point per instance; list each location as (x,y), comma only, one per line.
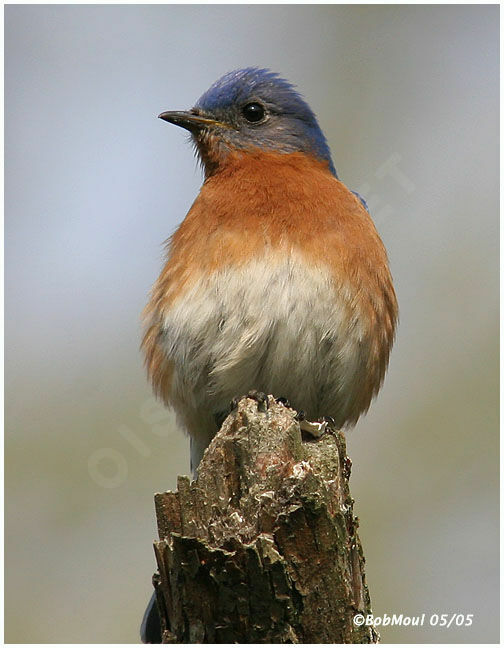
(263,546)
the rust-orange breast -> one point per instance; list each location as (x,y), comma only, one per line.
(269,206)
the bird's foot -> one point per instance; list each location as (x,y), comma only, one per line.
(260,398)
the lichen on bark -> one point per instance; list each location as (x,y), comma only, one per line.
(262,547)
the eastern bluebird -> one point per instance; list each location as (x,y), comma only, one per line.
(276,280)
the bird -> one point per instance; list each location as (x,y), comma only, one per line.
(276,280)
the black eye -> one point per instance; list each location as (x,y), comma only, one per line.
(253,112)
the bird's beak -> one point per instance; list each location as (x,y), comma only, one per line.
(189,120)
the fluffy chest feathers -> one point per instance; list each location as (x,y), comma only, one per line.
(276,281)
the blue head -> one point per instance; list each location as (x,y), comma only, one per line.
(252,109)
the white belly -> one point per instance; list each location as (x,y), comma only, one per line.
(273,325)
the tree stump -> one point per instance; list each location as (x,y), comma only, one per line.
(262,547)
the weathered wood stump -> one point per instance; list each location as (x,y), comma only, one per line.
(262,547)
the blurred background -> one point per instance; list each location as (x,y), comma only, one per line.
(94,183)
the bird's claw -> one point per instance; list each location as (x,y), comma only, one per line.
(260,398)
(300,416)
